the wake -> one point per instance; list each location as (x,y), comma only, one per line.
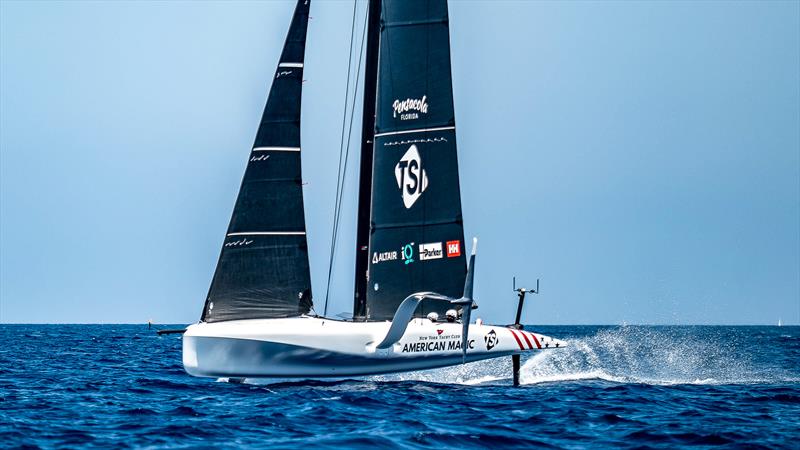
(628,354)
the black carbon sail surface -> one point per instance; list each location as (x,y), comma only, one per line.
(417,237)
(263,269)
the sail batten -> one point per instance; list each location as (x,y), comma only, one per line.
(268,233)
(418,130)
(263,269)
(276,149)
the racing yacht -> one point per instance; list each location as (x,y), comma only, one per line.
(413,294)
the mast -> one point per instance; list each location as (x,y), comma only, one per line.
(263,269)
(365,167)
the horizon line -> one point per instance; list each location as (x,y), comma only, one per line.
(499,325)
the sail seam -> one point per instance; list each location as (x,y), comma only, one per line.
(418,130)
(411,23)
(271,119)
(415,224)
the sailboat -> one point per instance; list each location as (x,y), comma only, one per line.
(413,296)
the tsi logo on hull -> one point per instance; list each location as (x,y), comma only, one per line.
(491,340)
(430,251)
(411,177)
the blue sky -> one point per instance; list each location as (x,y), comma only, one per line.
(641,158)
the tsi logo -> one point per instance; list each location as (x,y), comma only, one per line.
(411,177)
(491,340)
(430,251)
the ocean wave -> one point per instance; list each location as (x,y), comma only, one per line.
(654,356)
(662,356)
(614,387)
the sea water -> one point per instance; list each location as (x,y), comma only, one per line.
(119,386)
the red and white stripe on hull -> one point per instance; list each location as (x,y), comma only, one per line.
(531,341)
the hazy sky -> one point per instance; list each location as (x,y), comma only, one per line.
(641,158)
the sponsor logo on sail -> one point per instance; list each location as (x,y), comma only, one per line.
(379,257)
(411,176)
(453,249)
(491,340)
(410,108)
(408,253)
(430,251)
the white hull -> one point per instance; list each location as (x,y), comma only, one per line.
(311,347)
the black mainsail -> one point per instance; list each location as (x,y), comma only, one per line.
(263,269)
(416,233)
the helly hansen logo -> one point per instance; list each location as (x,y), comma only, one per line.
(453,249)
(411,177)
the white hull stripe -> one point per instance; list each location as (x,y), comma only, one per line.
(300,65)
(276,149)
(269,233)
(418,130)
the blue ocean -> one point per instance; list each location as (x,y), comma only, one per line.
(122,386)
